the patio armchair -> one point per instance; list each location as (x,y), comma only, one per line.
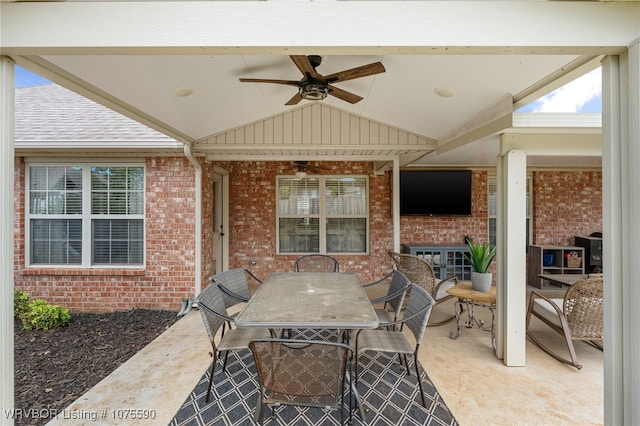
(398,284)
(391,339)
(578,316)
(316,263)
(420,272)
(305,373)
(214,315)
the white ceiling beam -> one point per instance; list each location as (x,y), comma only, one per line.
(492,120)
(569,144)
(375,27)
(302,157)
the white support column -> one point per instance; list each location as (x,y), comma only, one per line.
(511,256)
(7,107)
(621,235)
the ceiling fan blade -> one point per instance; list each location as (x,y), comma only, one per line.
(363,71)
(305,67)
(352,98)
(294,101)
(266,80)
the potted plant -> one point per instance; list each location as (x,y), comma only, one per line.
(480,257)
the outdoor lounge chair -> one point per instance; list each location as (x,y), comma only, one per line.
(420,272)
(392,340)
(301,372)
(579,316)
(214,315)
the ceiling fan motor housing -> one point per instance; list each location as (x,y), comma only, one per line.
(314,90)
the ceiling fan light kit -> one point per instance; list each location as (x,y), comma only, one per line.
(314,91)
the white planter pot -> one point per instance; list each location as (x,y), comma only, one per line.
(481,281)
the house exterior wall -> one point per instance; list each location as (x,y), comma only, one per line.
(168,274)
(565,204)
(426,230)
(253,219)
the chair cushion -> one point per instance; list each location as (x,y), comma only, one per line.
(442,290)
(544,309)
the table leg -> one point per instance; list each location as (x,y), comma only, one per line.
(458,309)
(471,316)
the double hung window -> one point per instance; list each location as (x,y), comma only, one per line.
(85,215)
(322,214)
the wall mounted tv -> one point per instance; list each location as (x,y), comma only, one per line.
(435,193)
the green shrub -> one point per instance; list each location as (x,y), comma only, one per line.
(43,316)
(20,303)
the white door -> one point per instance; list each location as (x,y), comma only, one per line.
(220,219)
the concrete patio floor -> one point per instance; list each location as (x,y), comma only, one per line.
(478,388)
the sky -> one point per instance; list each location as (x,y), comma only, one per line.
(581,95)
(24,78)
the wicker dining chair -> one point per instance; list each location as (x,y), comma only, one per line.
(306,373)
(420,272)
(316,263)
(578,316)
(391,337)
(214,316)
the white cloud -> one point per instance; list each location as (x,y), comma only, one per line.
(572,96)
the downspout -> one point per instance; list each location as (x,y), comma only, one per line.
(198,248)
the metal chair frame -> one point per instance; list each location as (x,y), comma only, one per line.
(308,373)
(392,340)
(316,263)
(214,316)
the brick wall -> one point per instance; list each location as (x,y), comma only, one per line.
(253,219)
(442,230)
(168,274)
(566,204)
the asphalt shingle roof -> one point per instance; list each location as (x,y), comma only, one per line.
(52,113)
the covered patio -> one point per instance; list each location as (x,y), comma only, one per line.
(474,384)
(556,41)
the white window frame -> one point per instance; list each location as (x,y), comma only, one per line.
(86,216)
(323,215)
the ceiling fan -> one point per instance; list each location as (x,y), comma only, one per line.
(314,86)
(302,167)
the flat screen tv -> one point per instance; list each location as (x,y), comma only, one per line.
(435,193)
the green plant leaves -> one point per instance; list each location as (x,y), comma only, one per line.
(38,314)
(480,256)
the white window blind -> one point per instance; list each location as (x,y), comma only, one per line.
(66,201)
(322,214)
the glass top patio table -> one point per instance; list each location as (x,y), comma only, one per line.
(330,300)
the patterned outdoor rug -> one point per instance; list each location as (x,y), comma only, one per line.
(390,397)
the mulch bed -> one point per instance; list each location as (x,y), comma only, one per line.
(55,367)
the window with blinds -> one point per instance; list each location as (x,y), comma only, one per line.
(85,215)
(322,214)
(493,209)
